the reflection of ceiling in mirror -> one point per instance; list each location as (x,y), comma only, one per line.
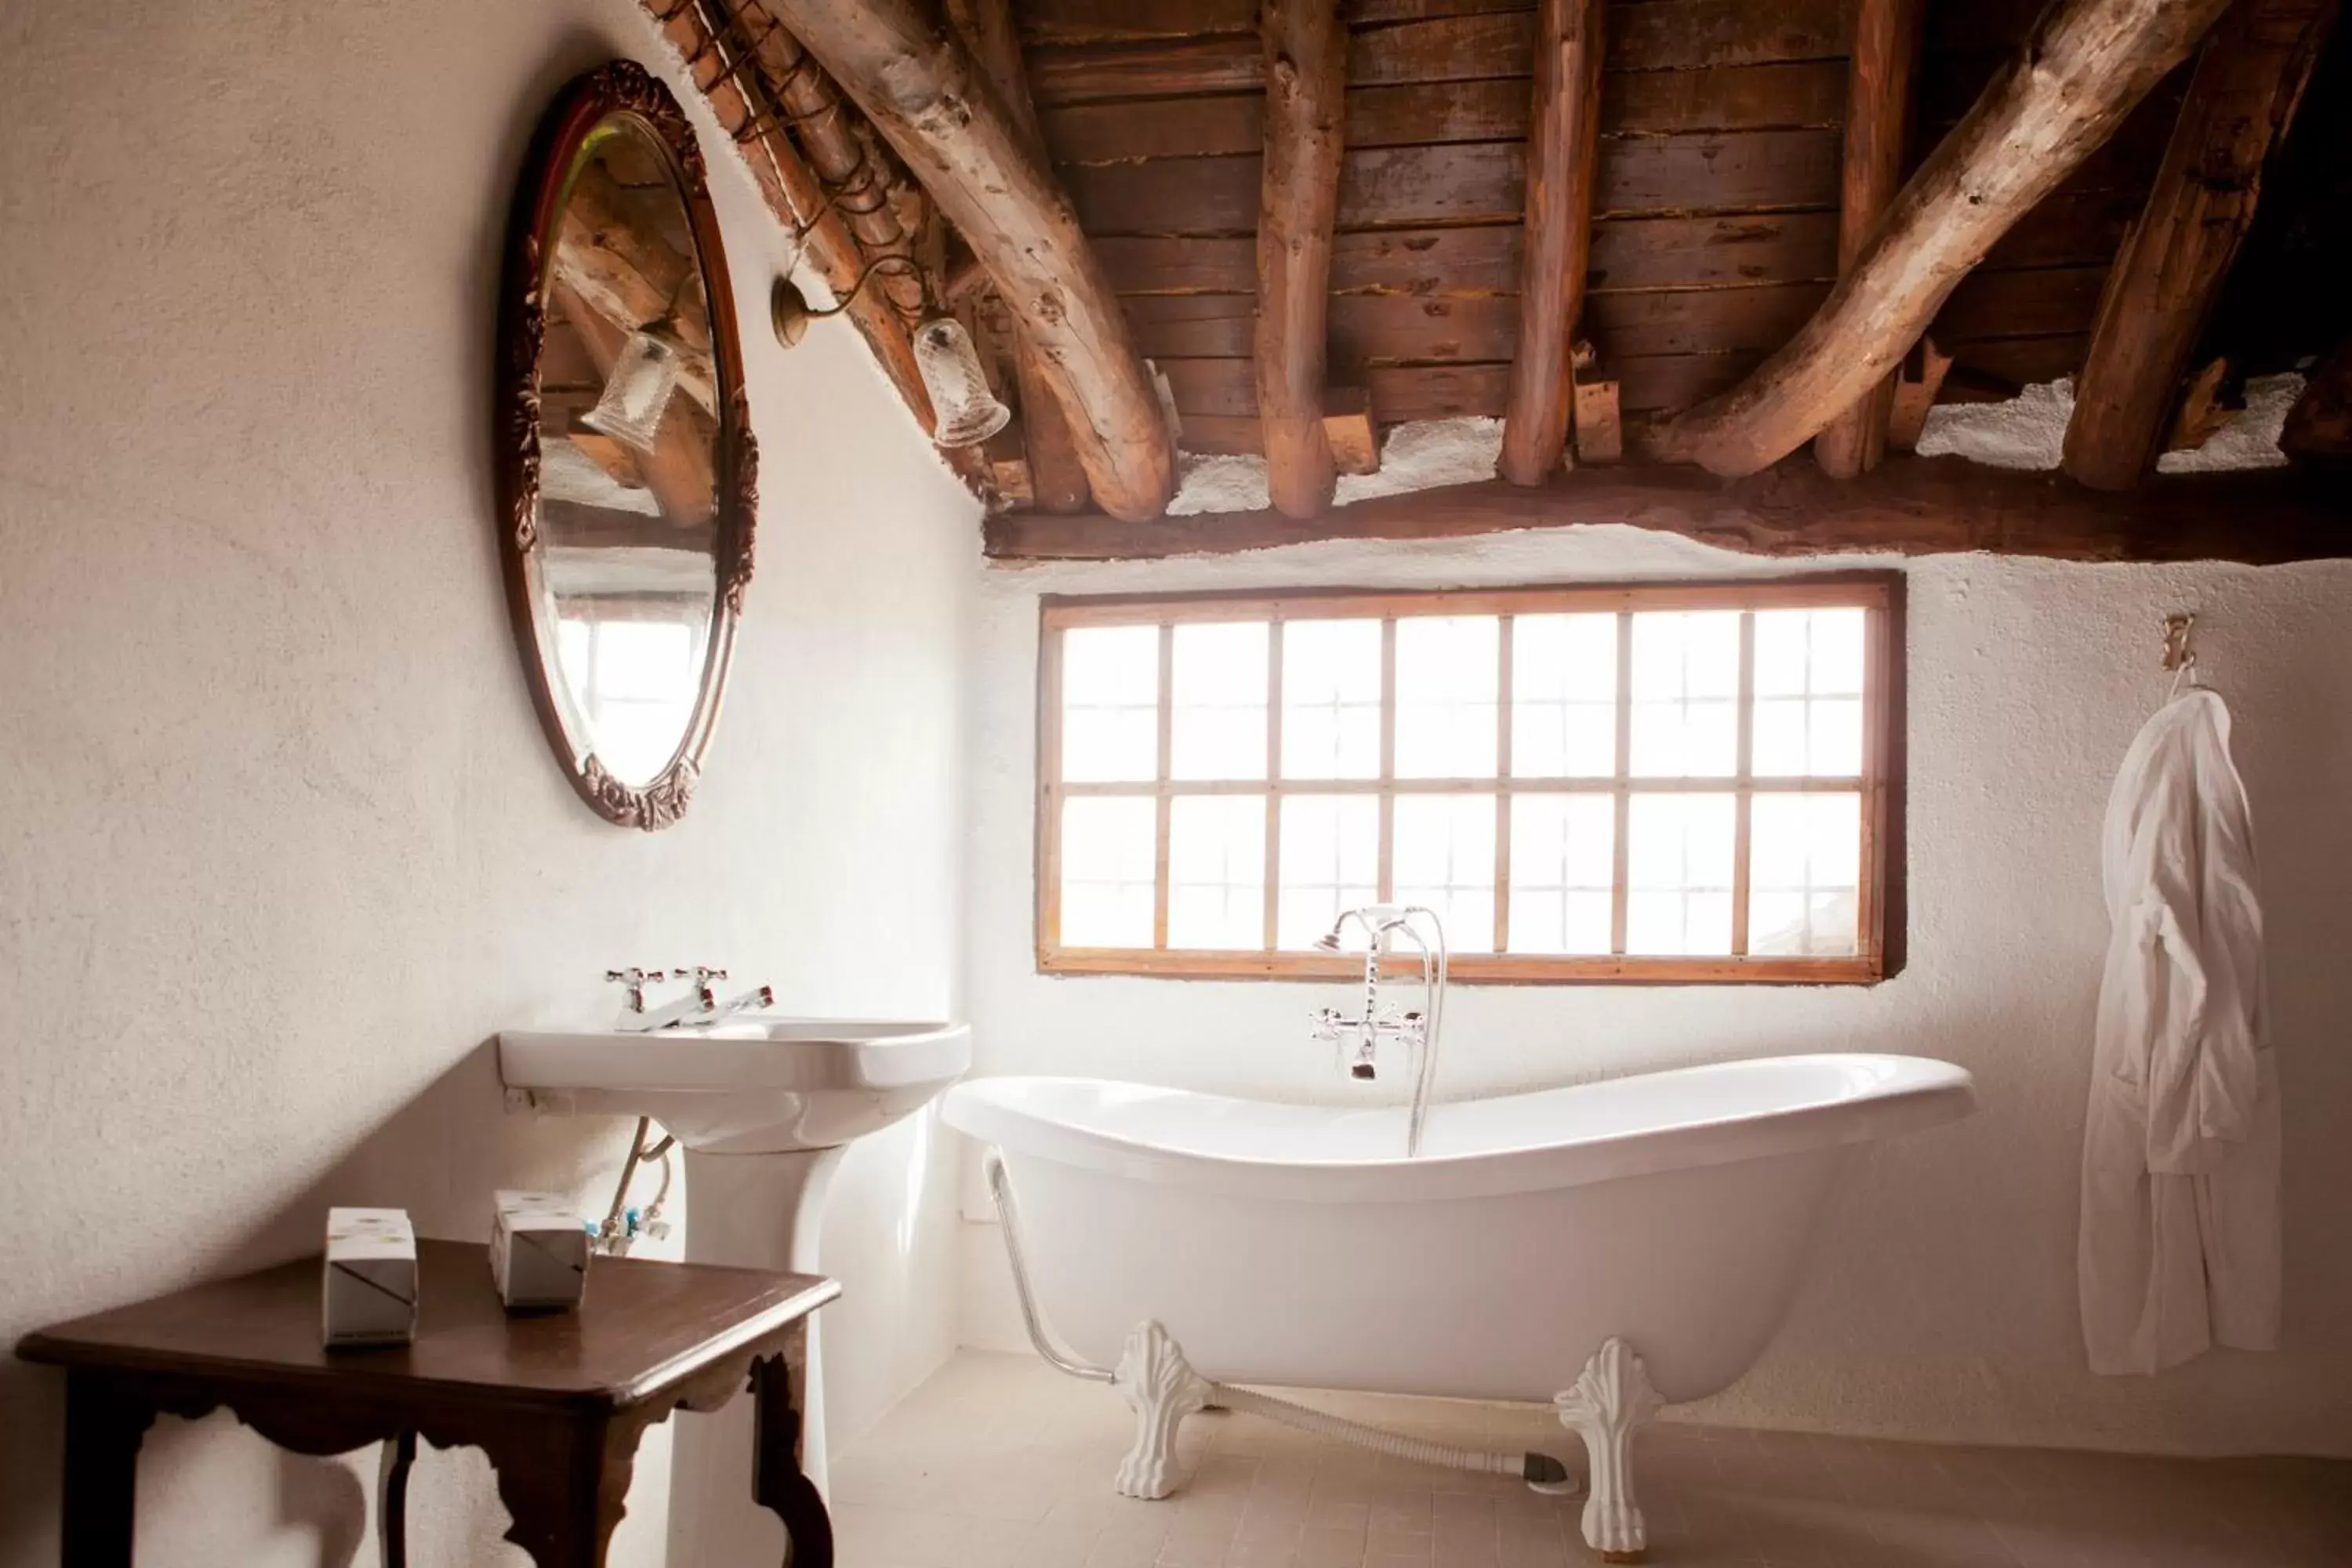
(568,474)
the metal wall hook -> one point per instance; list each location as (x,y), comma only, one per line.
(2179,642)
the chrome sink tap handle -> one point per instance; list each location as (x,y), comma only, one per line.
(702,975)
(636,979)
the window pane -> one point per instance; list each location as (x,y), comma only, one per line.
(1330,858)
(1216,872)
(1448,675)
(1805,868)
(1678,871)
(1563,857)
(646,660)
(1809,693)
(1110,703)
(1444,857)
(1563,697)
(1331,699)
(1686,682)
(1109,849)
(1218,729)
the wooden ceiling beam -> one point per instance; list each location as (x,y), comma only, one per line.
(1906,506)
(1563,144)
(1305,52)
(2249,78)
(1057,480)
(2083,67)
(859,184)
(922,91)
(793,194)
(2319,426)
(1877,138)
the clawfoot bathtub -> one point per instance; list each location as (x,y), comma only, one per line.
(1610,1247)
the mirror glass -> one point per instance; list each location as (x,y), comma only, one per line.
(628,471)
(626,567)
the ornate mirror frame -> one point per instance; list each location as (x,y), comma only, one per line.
(621,89)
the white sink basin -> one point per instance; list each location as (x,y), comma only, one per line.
(753,1085)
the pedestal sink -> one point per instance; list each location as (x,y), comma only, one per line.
(763,1108)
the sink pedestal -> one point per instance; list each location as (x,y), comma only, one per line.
(752,1210)
(763,1107)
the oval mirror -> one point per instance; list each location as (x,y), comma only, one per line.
(628,474)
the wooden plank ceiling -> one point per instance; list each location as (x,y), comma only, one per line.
(1727,269)
(1714,207)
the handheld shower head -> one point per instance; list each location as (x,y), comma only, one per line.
(1376,918)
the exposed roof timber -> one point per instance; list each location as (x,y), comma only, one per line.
(2250,77)
(921,90)
(1878,132)
(793,192)
(1563,145)
(858,183)
(1057,480)
(1306,50)
(2319,426)
(2083,67)
(1906,506)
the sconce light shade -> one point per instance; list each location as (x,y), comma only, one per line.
(637,394)
(966,412)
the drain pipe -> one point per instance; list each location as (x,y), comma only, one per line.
(1542,1472)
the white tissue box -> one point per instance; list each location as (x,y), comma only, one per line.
(370,1291)
(539,1252)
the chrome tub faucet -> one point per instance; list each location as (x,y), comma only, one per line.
(1417,1031)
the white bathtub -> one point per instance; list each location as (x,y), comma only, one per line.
(1296,1246)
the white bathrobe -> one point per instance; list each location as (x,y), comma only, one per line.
(2179,1246)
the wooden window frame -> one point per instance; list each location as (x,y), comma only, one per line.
(1880,894)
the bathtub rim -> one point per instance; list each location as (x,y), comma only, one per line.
(1921,1092)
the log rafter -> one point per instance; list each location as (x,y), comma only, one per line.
(2319,426)
(1057,479)
(1877,136)
(791,190)
(1563,145)
(2083,67)
(1906,506)
(921,90)
(1306,50)
(857,181)
(2249,78)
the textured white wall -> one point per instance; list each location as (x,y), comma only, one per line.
(280,844)
(1944,1305)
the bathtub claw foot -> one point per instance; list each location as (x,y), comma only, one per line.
(1612,1396)
(1161,1388)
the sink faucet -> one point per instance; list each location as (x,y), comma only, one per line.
(698,1006)
(1417,1030)
(635,1019)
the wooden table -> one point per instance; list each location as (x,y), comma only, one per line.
(557,1400)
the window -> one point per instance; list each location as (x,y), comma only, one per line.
(1655,783)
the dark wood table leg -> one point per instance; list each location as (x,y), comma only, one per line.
(391,1499)
(566,1488)
(104,1425)
(778,1482)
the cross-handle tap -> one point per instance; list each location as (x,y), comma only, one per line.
(1329,1024)
(702,975)
(637,978)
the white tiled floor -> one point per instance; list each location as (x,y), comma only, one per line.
(999,1462)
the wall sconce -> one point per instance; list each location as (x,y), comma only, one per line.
(965,412)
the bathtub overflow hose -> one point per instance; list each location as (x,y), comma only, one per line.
(1540,1471)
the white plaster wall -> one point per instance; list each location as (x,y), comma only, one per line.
(280,844)
(1944,1304)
